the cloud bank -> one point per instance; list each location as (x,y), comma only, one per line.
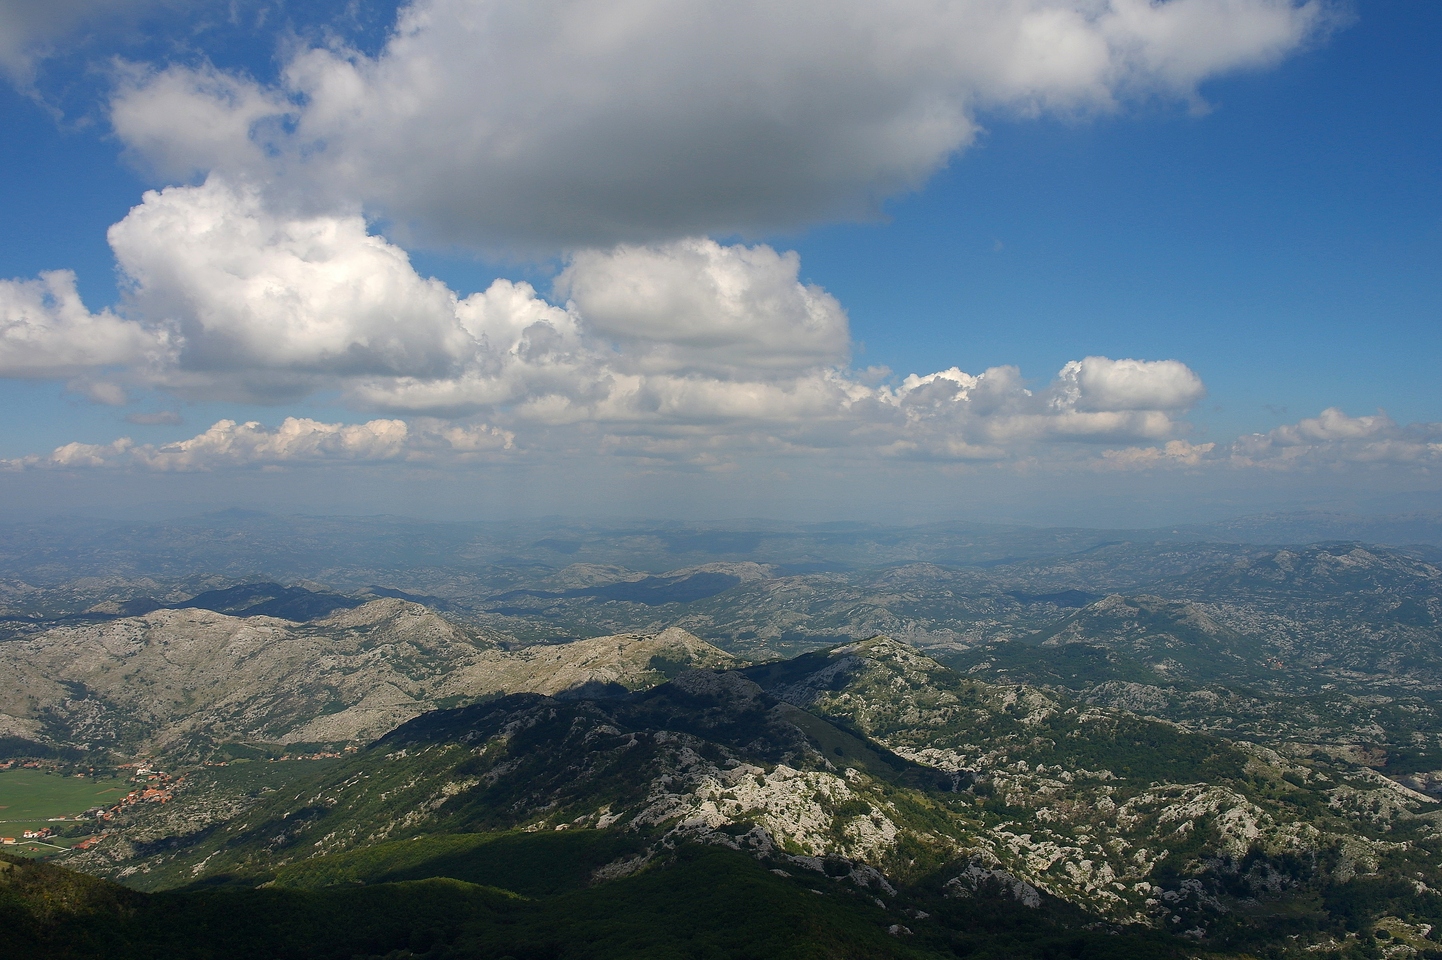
(1324,443)
(647,347)
(296,441)
(687,351)
(1330,440)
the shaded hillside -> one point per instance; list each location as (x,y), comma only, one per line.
(722,899)
(270,600)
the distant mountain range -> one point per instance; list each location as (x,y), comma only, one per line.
(350,552)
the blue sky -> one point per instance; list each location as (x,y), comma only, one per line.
(1287,245)
(1198,245)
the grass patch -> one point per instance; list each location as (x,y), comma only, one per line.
(29,795)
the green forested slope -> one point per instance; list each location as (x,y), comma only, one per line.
(699,902)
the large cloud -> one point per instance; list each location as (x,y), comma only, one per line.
(1099,383)
(265,306)
(567,123)
(995,411)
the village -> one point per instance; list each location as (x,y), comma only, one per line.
(154,786)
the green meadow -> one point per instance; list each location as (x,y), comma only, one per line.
(38,795)
(29,798)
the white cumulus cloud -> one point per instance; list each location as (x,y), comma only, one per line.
(267,304)
(697,304)
(570,123)
(1332,425)
(1103,384)
(228,442)
(995,410)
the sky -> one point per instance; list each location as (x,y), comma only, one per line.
(1061,261)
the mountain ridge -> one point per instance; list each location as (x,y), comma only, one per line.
(190,681)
